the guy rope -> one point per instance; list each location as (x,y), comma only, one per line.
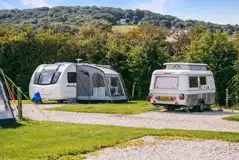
(11,89)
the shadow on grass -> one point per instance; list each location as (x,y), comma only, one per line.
(11,125)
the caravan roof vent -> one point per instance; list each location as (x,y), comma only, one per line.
(79,60)
(186,66)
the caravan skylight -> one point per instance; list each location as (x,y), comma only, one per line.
(52,67)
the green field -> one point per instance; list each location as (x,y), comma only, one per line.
(232,118)
(123,28)
(49,140)
(134,107)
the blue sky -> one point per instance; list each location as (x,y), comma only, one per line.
(218,11)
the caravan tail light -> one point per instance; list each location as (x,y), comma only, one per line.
(150,95)
(181,96)
(154,102)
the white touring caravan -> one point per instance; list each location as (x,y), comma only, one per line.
(6,114)
(80,81)
(183,85)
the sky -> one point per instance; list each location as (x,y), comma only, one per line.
(217,11)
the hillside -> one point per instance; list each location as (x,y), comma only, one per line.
(74,16)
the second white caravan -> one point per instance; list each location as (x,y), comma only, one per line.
(187,85)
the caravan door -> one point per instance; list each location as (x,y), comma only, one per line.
(91,83)
(70,85)
(83,84)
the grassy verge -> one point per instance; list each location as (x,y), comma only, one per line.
(236,107)
(133,107)
(232,118)
(49,140)
(30,102)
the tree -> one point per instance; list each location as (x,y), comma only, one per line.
(148,51)
(219,53)
(139,13)
(179,25)
(106,16)
(165,23)
(135,20)
(129,14)
(127,20)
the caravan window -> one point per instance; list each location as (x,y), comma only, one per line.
(47,75)
(162,82)
(115,87)
(36,77)
(55,77)
(98,80)
(193,82)
(45,78)
(203,80)
(71,77)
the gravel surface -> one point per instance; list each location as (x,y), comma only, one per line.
(161,119)
(171,150)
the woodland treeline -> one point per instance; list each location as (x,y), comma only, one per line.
(71,17)
(135,54)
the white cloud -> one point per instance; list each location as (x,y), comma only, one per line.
(35,3)
(153,5)
(158,6)
(6,5)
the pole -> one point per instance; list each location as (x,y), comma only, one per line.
(227,97)
(19,103)
(133,89)
(236,102)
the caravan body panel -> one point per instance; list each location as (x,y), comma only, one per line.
(63,88)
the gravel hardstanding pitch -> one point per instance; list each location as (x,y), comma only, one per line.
(211,121)
(155,149)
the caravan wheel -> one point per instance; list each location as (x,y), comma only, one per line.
(200,107)
(60,101)
(171,108)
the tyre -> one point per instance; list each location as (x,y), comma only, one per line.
(208,108)
(60,101)
(170,108)
(200,107)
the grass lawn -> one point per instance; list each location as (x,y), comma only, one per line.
(133,107)
(123,28)
(232,118)
(50,140)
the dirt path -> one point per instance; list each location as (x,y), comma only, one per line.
(175,120)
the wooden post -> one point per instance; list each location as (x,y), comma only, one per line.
(133,89)
(19,95)
(227,97)
(236,102)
